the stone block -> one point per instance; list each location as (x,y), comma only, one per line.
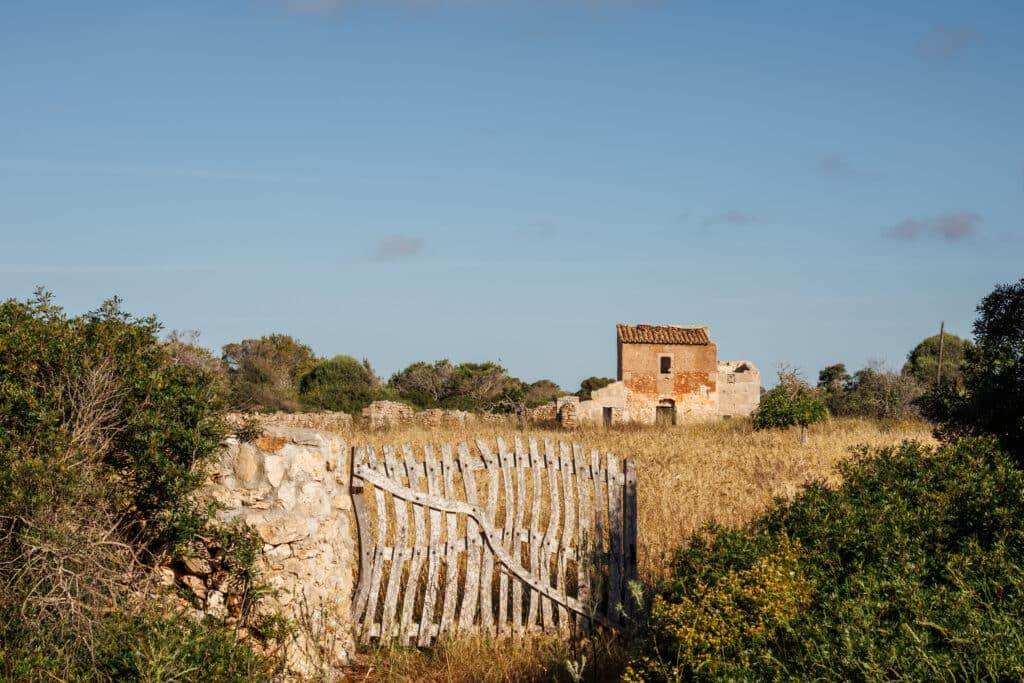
(246,466)
(277,527)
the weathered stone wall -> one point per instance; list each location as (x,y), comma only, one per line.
(291,486)
(325,421)
(739,388)
(384,414)
(691,385)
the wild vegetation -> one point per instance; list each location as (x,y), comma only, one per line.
(101,435)
(873,551)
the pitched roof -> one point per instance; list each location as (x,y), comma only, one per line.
(663,334)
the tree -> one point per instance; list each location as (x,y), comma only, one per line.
(425,385)
(265,372)
(992,400)
(871,392)
(923,360)
(592,384)
(341,383)
(834,378)
(792,402)
(540,392)
(467,386)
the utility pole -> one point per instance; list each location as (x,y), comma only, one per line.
(942,339)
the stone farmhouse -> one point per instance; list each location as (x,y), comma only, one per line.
(668,374)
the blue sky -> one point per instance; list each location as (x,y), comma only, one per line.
(405,180)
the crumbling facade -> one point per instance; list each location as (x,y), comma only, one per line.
(668,374)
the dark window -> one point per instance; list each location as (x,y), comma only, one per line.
(666,364)
(607,415)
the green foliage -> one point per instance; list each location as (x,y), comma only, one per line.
(541,392)
(714,625)
(341,383)
(103,434)
(792,402)
(923,360)
(591,384)
(872,392)
(992,400)
(151,647)
(467,386)
(834,378)
(264,373)
(98,388)
(425,385)
(911,570)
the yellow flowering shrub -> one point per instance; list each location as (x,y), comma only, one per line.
(708,626)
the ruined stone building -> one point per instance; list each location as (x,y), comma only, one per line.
(667,374)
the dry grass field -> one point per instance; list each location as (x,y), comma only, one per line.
(688,476)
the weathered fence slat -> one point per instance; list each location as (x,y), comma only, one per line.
(434,552)
(366,547)
(452,560)
(469,593)
(549,536)
(378,560)
(419,550)
(487,569)
(398,557)
(535,537)
(566,568)
(507,465)
(615,535)
(629,532)
(568,530)
(517,542)
(583,526)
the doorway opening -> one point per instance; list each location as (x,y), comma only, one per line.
(665,413)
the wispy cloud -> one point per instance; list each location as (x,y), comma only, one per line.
(326,8)
(321,8)
(955,226)
(118,168)
(835,166)
(540,229)
(945,43)
(730,218)
(397,246)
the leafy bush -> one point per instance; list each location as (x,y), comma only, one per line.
(341,383)
(468,386)
(872,392)
(264,373)
(792,402)
(910,570)
(102,436)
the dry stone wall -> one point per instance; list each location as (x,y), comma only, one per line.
(290,486)
(325,421)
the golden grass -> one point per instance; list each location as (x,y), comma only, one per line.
(720,472)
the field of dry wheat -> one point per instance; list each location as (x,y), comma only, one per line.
(719,472)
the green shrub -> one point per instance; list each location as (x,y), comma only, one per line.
(102,440)
(341,383)
(792,402)
(912,569)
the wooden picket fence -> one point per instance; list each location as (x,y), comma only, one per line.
(509,542)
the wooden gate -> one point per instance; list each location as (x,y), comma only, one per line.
(506,542)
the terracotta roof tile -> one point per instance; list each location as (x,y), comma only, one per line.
(663,334)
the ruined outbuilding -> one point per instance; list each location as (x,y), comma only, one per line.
(668,374)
